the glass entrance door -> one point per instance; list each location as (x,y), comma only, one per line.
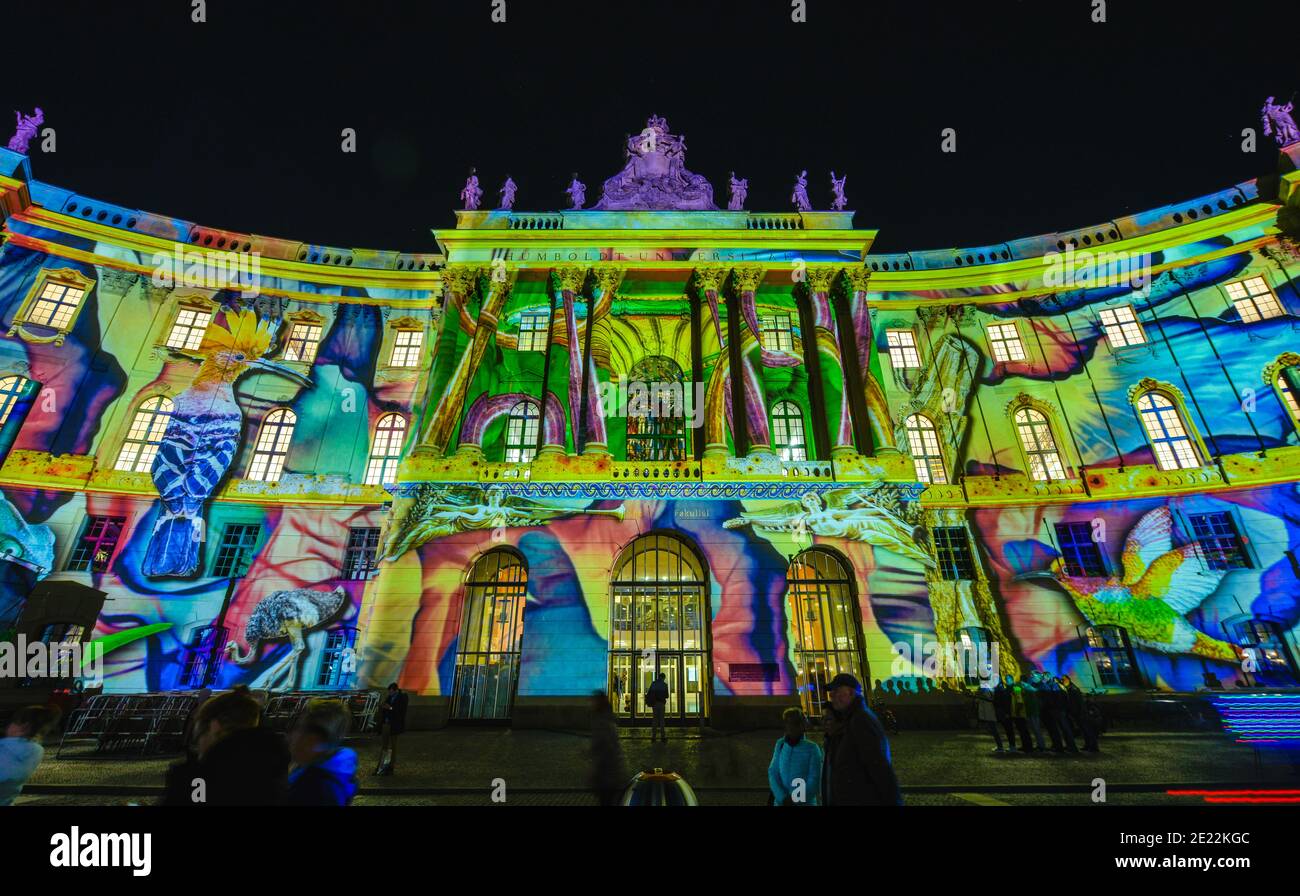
(658,626)
(491,630)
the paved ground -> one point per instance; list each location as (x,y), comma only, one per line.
(458,766)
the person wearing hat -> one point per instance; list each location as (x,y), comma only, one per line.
(859,771)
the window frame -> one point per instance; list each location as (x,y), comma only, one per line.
(10,398)
(237,557)
(191,328)
(69,278)
(954,556)
(519,447)
(1124,328)
(1223,550)
(536,335)
(146,445)
(999,339)
(785,413)
(770,323)
(1038,452)
(412,351)
(1187,435)
(272,452)
(1072,558)
(82,557)
(361,554)
(389,461)
(911,350)
(1269,294)
(919,433)
(307,346)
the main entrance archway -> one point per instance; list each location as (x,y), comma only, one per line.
(825,631)
(659,623)
(491,629)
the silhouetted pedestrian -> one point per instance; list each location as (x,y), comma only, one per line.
(794,775)
(21,751)
(987,713)
(859,769)
(1002,707)
(324,771)
(235,762)
(657,699)
(392,721)
(608,773)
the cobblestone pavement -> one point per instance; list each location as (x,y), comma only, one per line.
(457,766)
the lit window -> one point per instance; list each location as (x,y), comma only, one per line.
(386,451)
(902,349)
(272,446)
(11,391)
(1112,656)
(776,333)
(533,331)
(1166,432)
(1122,326)
(1004,342)
(56,305)
(787,431)
(1283,389)
(1080,550)
(1040,446)
(235,554)
(94,551)
(145,436)
(303,342)
(406,348)
(521,432)
(1254,300)
(1219,542)
(360,560)
(187,332)
(923,443)
(952,550)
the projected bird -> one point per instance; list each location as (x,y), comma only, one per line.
(202,437)
(1159,585)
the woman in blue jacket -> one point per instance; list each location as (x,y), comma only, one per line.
(795,773)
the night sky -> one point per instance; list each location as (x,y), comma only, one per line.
(235,123)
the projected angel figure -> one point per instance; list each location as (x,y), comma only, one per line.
(508,190)
(28,125)
(439,511)
(1278,122)
(577,192)
(841,513)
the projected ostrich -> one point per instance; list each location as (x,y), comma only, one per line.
(286,614)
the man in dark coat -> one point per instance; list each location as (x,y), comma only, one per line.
(392,719)
(858,768)
(657,699)
(234,761)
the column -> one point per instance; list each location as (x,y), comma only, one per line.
(594,434)
(835,390)
(744,283)
(880,422)
(707,281)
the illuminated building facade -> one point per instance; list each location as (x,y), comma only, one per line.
(571,450)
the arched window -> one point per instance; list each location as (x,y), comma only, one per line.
(12,388)
(1040,446)
(823,624)
(1289,399)
(656,411)
(491,631)
(521,432)
(659,626)
(787,431)
(145,435)
(272,446)
(386,449)
(1174,449)
(923,442)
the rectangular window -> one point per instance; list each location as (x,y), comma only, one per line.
(1283,388)
(902,349)
(187,332)
(406,348)
(1122,326)
(533,330)
(302,344)
(1221,545)
(94,551)
(1080,551)
(334,662)
(1004,342)
(776,333)
(56,305)
(1253,299)
(235,553)
(952,550)
(359,561)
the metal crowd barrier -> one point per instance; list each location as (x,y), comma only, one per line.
(282,709)
(125,721)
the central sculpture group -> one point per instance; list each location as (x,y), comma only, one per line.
(655,178)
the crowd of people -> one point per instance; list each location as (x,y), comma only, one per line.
(1034,705)
(232,758)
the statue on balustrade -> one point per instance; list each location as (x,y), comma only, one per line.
(507,191)
(472,192)
(577,192)
(654,176)
(28,125)
(739,190)
(800,195)
(1278,122)
(837,189)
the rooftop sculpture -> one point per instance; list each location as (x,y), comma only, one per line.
(655,176)
(27,128)
(1278,122)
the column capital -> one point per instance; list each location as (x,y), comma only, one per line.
(857,278)
(570,277)
(608,279)
(821,276)
(461,278)
(709,277)
(746,277)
